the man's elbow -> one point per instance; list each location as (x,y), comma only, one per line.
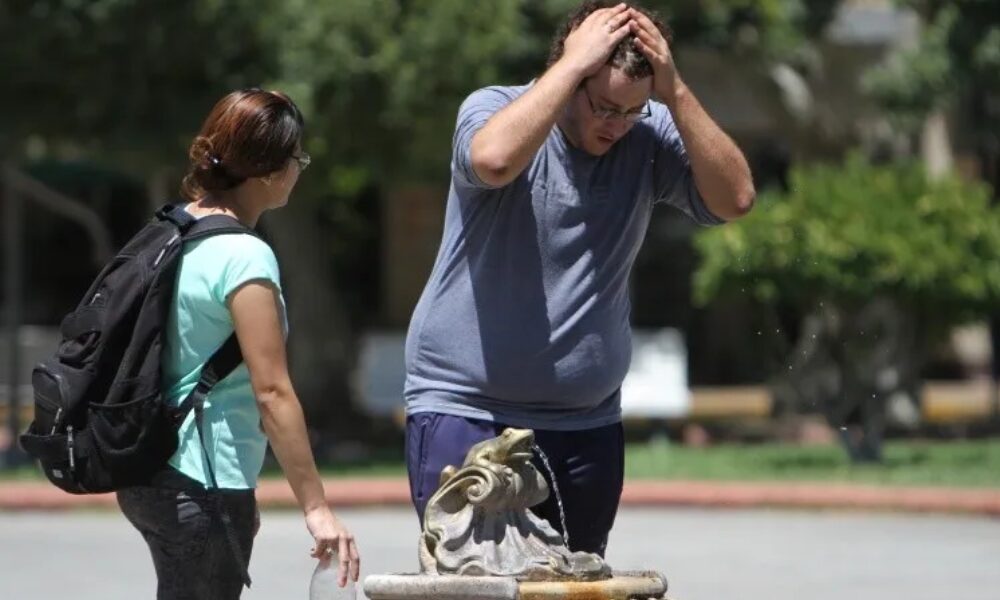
(745,201)
(740,204)
(493,169)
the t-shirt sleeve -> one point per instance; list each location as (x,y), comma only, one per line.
(475,111)
(672,175)
(247,259)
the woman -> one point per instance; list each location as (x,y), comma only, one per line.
(245,160)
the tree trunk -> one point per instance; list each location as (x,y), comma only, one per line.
(935,145)
(859,366)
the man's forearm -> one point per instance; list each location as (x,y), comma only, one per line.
(721,172)
(508,141)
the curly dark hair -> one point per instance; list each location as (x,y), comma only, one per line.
(626,56)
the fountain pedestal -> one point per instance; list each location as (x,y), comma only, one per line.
(482,542)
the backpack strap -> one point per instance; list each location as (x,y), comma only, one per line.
(228,356)
(223,362)
(214,225)
(176,214)
(193,228)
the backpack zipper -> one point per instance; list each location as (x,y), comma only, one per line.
(69,446)
(48,403)
(55,421)
(163,250)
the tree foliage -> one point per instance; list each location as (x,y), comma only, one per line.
(780,30)
(879,262)
(123,78)
(956,58)
(848,233)
(380,80)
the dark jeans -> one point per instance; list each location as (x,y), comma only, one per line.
(181,524)
(589,466)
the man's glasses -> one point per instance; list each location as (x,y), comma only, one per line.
(303,159)
(607,114)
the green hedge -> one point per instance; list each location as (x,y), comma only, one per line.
(847,233)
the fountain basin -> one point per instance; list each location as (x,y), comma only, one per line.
(624,585)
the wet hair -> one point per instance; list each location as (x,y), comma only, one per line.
(248,133)
(626,56)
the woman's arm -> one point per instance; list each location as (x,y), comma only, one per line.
(256,316)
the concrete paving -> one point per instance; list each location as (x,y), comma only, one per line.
(706,554)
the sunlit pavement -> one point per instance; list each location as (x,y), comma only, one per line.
(706,554)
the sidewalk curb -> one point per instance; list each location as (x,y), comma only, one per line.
(40,495)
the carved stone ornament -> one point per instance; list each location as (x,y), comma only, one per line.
(478,523)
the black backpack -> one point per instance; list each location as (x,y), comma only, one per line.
(101,422)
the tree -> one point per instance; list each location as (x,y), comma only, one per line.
(952,69)
(125,83)
(881,260)
(954,63)
(122,80)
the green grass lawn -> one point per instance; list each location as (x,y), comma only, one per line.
(973,463)
(926,463)
(933,463)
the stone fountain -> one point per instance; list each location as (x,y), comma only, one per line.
(481,542)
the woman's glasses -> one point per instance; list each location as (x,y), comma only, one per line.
(303,159)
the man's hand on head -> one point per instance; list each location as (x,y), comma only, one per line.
(650,41)
(588,47)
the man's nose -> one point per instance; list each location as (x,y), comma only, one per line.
(620,125)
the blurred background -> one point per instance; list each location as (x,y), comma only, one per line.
(852,319)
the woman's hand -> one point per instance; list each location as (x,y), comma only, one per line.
(331,537)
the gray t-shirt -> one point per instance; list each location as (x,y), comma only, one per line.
(525,317)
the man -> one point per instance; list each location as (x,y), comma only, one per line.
(525,319)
